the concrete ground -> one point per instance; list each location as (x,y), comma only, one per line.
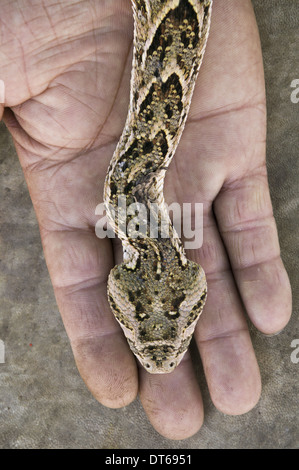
(43,401)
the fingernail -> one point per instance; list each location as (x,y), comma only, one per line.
(269,335)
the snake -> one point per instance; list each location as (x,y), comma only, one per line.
(156,294)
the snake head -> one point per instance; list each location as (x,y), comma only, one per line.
(157,313)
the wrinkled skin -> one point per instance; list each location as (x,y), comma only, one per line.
(66,67)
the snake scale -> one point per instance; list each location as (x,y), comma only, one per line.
(156,294)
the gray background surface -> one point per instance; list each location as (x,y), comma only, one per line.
(43,401)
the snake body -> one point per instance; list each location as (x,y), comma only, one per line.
(156,294)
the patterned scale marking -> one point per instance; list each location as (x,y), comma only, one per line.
(156,294)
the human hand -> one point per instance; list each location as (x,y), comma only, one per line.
(66,69)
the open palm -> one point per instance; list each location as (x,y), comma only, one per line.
(66,69)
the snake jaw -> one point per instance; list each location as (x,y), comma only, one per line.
(160,366)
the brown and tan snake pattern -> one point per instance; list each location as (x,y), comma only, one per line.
(156,294)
